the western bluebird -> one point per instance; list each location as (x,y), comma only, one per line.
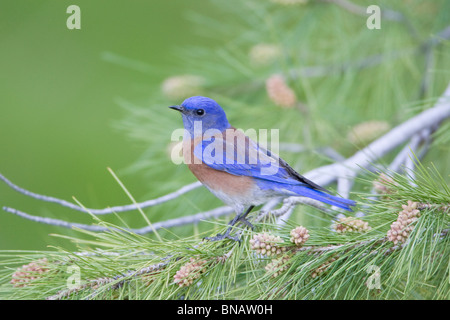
(236,169)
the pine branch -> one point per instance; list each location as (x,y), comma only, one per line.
(320,258)
(339,250)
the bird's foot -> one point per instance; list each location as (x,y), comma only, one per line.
(244,221)
(220,236)
(241,219)
(237,219)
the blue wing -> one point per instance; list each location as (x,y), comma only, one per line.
(246,158)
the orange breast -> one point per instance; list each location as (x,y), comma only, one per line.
(215,179)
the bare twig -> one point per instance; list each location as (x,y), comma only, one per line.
(55,222)
(377,149)
(116,209)
(298,148)
(288,204)
(206,215)
(406,152)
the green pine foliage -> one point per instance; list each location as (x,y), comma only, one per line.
(329,265)
(342,74)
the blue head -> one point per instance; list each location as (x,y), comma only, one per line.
(204,110)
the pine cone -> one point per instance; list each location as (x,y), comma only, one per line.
(299,235)
(182,86)
(189,272)
(263,54)
(279,92)
(323,268)
(351,224)
(277,266)
(383,185)
(365,132)
(401,228)
(29,272)
(266,244)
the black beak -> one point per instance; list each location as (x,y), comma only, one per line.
(178,108)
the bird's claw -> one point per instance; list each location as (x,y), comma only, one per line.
(220,236)
(246,222)
(232,223)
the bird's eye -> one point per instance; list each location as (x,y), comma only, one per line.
(200,112)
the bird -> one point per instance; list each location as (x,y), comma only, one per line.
(235,168)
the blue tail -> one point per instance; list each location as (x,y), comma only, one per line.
(323,197)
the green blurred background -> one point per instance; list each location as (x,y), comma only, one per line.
(58,102)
